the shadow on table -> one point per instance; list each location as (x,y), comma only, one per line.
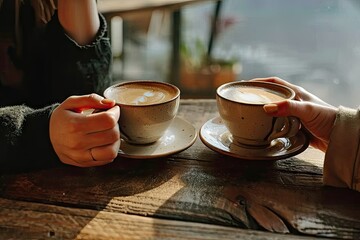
(283,196)
(97,189)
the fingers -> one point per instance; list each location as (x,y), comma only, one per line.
(89,123)
(106,153)
(316,118)
(271,79)
(303,110)
(91,157)
(297,89)
(80,138)
(275,80)
(89,162)
(80,103)
(108,119)
(301,94)
(310,114)
(102,138)
(95,122)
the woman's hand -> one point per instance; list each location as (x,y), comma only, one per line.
(85,140)
(315,115)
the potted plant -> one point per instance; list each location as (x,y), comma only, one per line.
(200,71)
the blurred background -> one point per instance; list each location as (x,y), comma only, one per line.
(312,43)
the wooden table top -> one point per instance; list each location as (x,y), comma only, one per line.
(194,194)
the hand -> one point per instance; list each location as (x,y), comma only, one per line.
(315,115)
(85,140)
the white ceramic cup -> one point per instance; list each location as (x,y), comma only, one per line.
(240,105)
(147,108)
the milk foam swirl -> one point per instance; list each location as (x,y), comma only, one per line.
(142,95)
(252,95)
(149,97)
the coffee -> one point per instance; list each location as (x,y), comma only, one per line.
(142,93)
(147,108)
(240,105)
(252,95)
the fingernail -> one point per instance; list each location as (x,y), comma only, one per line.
(271,108)
(107,101)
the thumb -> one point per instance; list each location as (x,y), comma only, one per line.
(317,118)
(84,102)
(303,110)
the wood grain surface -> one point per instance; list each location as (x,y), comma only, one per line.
(195,194)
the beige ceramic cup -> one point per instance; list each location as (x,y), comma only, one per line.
(240,105)
(147,108)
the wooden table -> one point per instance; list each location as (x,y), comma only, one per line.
(195,194)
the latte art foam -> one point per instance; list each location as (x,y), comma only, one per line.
(137,94)
(254,95)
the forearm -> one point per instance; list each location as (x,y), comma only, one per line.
(80,19)
(24,138)
(342,159)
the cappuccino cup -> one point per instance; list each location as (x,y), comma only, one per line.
(240,105)
(147,108)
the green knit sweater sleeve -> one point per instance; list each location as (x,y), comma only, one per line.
(24,138)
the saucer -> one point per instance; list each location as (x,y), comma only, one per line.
(179,136)
(216,136)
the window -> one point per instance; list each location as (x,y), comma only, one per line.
(312,43)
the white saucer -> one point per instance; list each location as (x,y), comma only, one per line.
(179,136)
(216,136)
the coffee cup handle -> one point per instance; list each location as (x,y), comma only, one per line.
(285,127)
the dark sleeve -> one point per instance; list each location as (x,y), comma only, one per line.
(24,138)
(59,67)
